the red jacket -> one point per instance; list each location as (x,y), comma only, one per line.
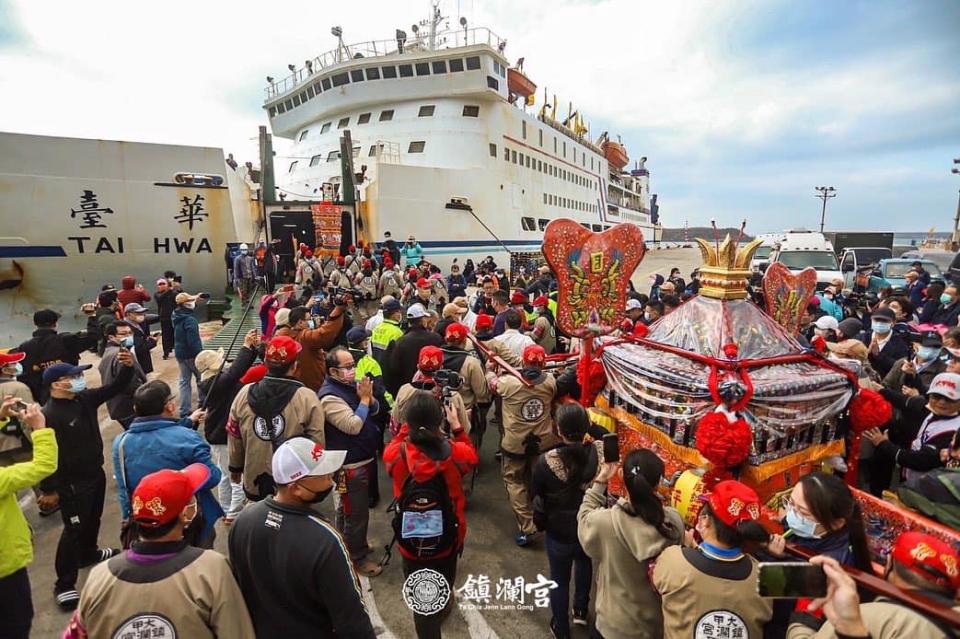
(462,460)
(129,294)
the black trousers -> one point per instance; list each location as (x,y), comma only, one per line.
(428,626)
(16,606)
(166,334)
(81,506)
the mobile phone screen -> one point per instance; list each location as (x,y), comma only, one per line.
(611,448)
(791,580)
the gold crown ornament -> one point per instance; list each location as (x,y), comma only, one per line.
(726,268)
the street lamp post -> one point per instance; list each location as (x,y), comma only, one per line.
(824,193)
(955,240)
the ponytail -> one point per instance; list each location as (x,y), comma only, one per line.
(642,471)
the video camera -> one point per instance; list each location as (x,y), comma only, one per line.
(448,381)
(340,294)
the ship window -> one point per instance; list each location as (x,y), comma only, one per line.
(597,227)
(325,128)
(281,108)
(426,111)
(325,83)
(493,83)
(296,100)
(333,156)
(317,88)
(456,65)
(303,134)
(528,161)
(406,70)
(544,198)
(541,137)
(574,156)
(373,150)
(523,129)
(521,159)
(471,111)
(356,151)
(356,75)
(343,123)
(493,150)
(389,72)
(513,156)
(542,223)
(540,166)
(554,144)
(473,63)
(293,165)
(585,225)
(340,79)
(423,68)
(310,92)
(315,160)
(591,164)
(416,147)
(506,154)
(303,97)
(364,118)
(273,111)
(496,67)
(386,116)
(528,223)
(439,66)
(373,73)
(564,149)
(289,105)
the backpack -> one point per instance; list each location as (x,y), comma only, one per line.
(424,522)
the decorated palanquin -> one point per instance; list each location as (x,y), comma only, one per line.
(718,388)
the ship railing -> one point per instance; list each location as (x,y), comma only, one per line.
(570,134)
(419,43)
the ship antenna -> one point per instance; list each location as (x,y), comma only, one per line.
(716,234)
(743,225)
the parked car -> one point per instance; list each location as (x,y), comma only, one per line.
(853,260)
(893,273)
(943,259)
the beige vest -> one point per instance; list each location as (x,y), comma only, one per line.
(527,410)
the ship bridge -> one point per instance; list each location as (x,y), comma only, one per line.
(463,63)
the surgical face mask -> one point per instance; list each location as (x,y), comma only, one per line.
(801,526)
(127,342)
(317,496)
(945,299)
(78,384)
(190,305)
(927,353)
(243,251)
(881,328)
(17,370)
(648,317)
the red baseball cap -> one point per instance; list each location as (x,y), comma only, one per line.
(541,301)
(431,359)
(928,557)
(352,249)
(456,333)
(11,358)
(367,264)
(519,297)
(282,350)
(483,322)
(423,283)
(733,502)
(254,374)
(534,355)
(340,260)
(161,496)
(387,262)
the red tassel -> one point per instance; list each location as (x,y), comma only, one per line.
(640,330)
(724,443)
(592,378)
(730,350)
(819,344)
(868,409)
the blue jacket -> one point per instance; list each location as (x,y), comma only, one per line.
(186,334)
(154,443)
(413,254)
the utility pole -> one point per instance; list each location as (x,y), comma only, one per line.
(824,193)
(955,240)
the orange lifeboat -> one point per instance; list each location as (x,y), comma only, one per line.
(519,84)
(615,153)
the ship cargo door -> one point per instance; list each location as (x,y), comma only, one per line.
(288,226)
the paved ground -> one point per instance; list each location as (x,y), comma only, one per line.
(490,550)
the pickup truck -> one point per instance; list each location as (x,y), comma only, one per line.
(892,272)
(855,259)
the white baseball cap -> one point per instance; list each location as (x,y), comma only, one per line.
(633,304)
(827,322)
(946,384)
(282,318)
(300,457)
(416,311)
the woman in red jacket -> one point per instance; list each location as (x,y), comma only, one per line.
(422,449)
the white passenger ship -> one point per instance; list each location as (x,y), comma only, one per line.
(454,150)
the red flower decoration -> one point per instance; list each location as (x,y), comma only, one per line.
(868,409)
(730,350)
(724,443)
(592,378)
(640,330)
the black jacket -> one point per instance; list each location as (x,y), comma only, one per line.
(402,356)
(895,348)
(295,575)
(143,343)
(557,496)
(220,395)
(947,315)
(166,302)
(78,432)
(46,348)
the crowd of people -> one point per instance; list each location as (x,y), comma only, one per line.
(377,362)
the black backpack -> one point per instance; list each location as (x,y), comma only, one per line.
(424,522)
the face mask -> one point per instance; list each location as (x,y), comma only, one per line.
(828,296)
(311,324)
(647,317)
(318,497)
(17,370)
(78,384)
(945,299)
(800,525)
(881,328)
(127,342)
(190,305)
(927,353)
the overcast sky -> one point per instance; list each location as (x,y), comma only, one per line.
(741,107)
